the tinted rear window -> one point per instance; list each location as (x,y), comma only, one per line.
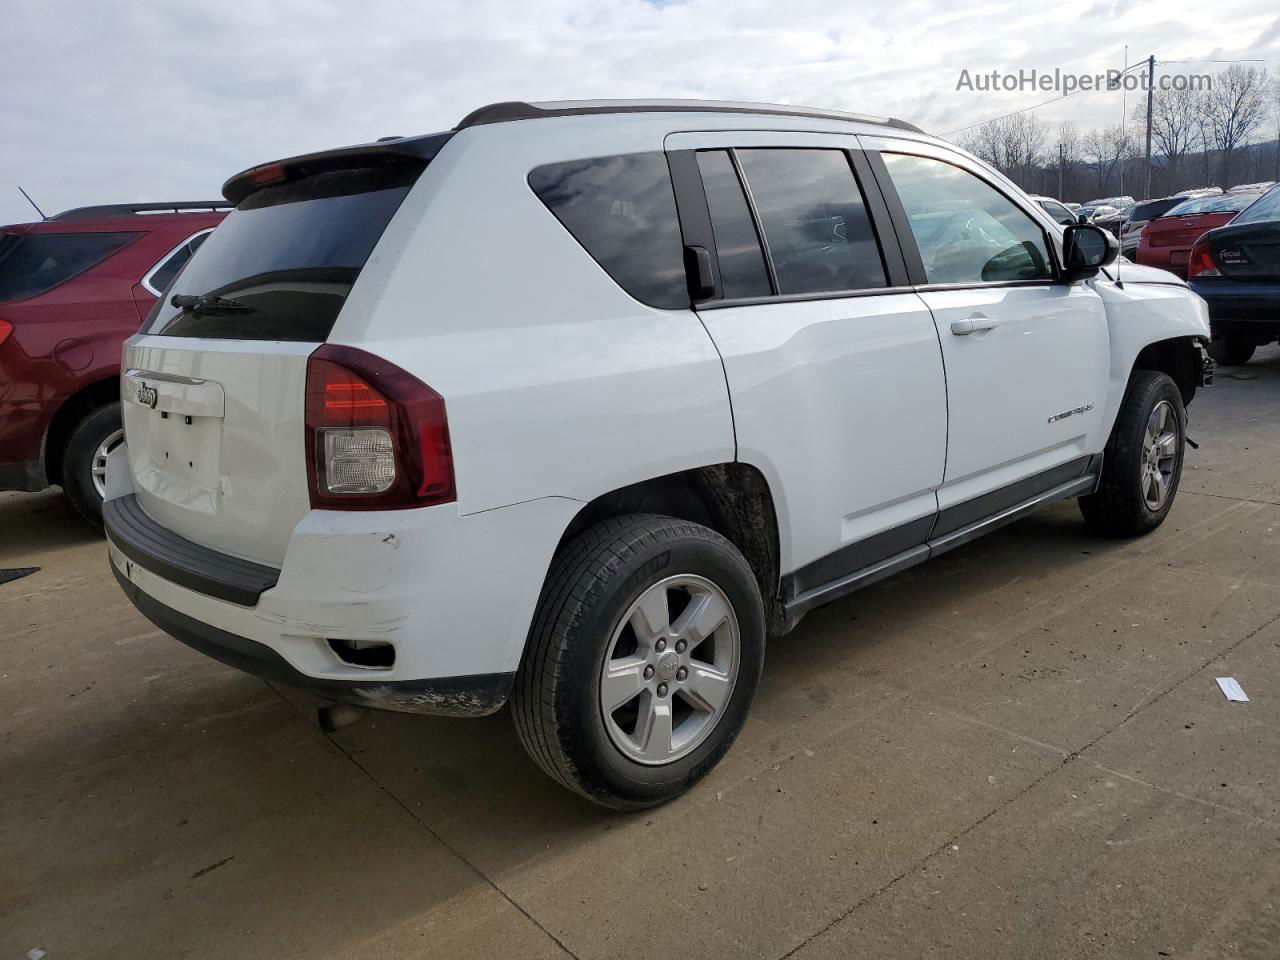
(742,269)
(622,210)
(288,255)
(32,263)
(1153,209)
(814,220)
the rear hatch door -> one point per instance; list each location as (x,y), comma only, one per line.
(213,388)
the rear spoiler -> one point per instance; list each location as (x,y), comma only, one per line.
(388,152)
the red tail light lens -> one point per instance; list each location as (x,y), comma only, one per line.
(1200,261)
(6,328)
(377,438)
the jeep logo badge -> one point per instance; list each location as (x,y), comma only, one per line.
(147,396)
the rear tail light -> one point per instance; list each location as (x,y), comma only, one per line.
(6,328)
(377,438)
(1200,262)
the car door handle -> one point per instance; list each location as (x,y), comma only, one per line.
(974,324)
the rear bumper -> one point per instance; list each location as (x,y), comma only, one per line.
(27,476)
(1236,307)
(453,595)
(467,696)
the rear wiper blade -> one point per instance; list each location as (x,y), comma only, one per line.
(207,303)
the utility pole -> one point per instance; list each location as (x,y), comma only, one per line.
(1062,152)
(1151,85)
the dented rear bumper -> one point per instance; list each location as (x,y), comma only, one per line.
(467,696)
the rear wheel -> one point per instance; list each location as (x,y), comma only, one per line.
(642,661)
(1231,351)
(1142,463)
(84,462)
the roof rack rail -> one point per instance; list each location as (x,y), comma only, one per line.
(519,110)
(130,209)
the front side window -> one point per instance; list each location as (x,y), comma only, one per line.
(622,210)
(814,220)
(966,230)
(32,263)
(1059,213)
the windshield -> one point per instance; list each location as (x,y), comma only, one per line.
(1266,207)
(1234,201)
(287,256)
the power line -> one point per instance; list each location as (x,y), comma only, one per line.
(1016,112)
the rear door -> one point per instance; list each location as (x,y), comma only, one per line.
(1027,356)
(214,394)
(833,364)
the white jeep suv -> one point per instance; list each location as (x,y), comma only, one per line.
(576,403)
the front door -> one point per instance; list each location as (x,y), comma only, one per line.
(1027,356)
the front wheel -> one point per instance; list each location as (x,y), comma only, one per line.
(1142,463)
(84,462)
(642,661)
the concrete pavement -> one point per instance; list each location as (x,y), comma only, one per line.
(1017,750)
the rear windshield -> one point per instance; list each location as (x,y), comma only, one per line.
(32,263)
(280,266)
(1266,207)
(1153,208)
(1227,204)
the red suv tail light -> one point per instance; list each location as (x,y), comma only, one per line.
(1200,261)
(6,328)
(377,438)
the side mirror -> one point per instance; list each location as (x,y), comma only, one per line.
(1086,249)
(1082,218)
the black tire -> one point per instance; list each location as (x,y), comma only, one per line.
(1231,351)
(1119,508)
(593,581)
(78,460)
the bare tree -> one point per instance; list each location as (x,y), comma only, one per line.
(1174,127)
(1105,150)
(1237,106)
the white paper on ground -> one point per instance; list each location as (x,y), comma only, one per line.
(1231,689)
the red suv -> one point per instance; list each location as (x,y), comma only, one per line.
(72,288)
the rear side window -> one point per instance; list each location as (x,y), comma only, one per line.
(966,230)
(280,266)
(742,269)
(32,263)
(622,210)
(163,273)
(814,220)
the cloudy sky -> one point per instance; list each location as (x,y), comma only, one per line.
(150,100)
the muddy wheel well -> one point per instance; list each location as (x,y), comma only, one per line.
(732,499)
(1179,358)
(76,408)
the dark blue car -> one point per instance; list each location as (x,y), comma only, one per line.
(1236,269)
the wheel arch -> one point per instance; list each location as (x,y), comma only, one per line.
(75,408)
(1179,357)
(733,499)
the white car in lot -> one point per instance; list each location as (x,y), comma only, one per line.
(573,405)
